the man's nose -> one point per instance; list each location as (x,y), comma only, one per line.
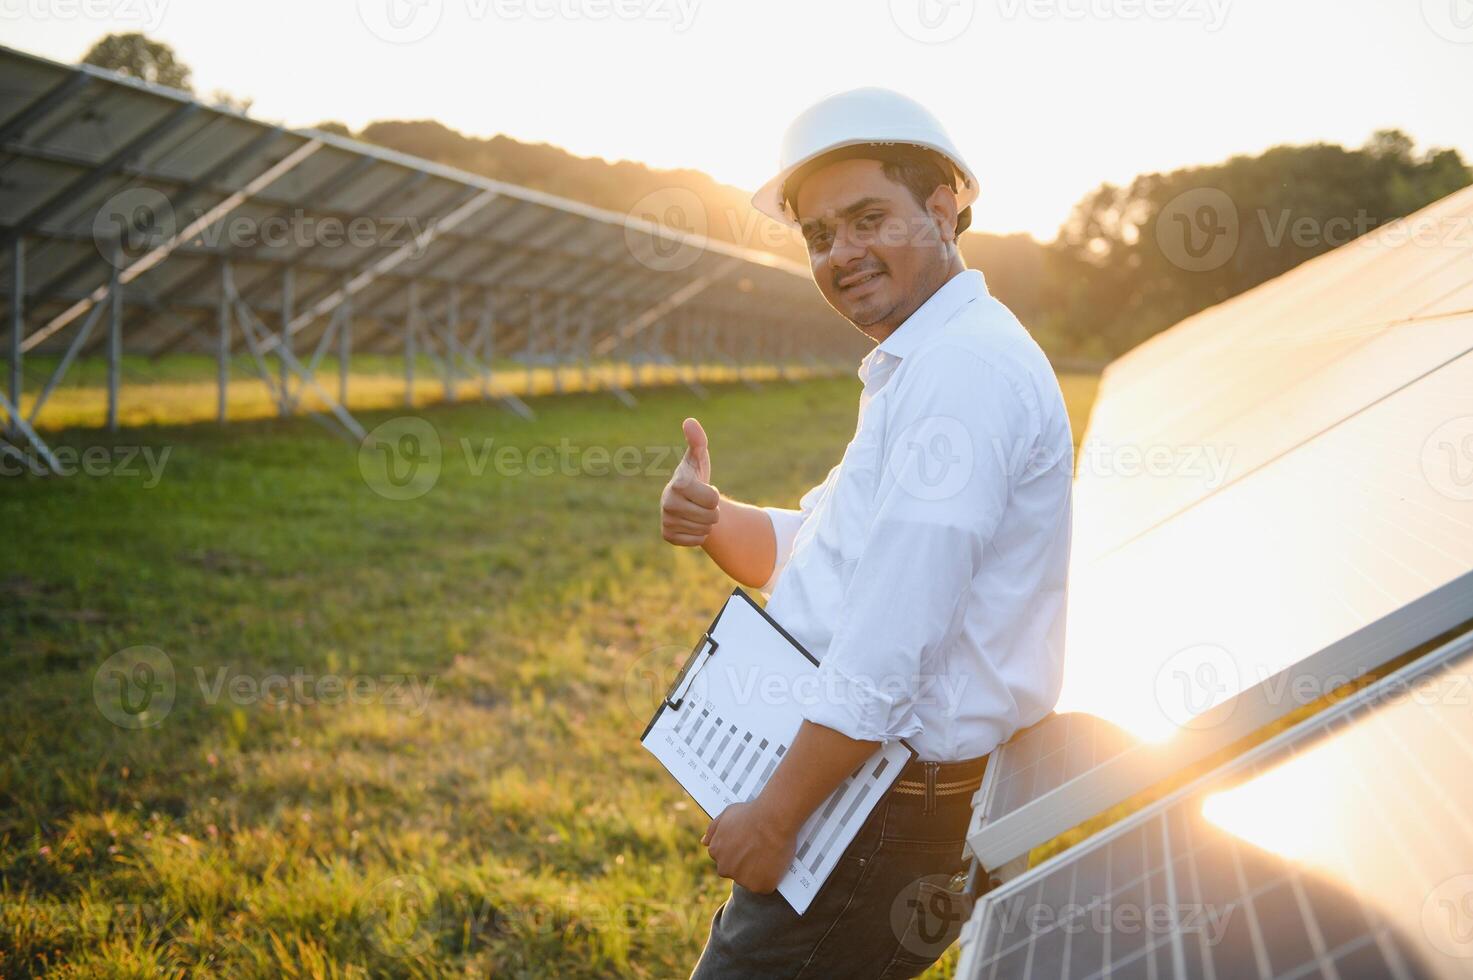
(845,250)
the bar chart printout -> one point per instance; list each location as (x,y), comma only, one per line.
(729,721)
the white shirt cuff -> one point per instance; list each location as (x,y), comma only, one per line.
(785,525)
(856,707)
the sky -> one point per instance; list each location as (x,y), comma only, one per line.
(1045,98)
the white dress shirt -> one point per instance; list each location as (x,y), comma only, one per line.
(927,571)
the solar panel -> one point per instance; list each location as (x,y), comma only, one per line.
(197,229)
(1341,848)
(1311,517)
(82,149)
(1272,612)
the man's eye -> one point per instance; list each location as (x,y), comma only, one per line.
(868,221)
(819,240)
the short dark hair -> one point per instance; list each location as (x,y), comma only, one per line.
(916,168)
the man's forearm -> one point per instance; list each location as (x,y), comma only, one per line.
(742,543)
(812,768)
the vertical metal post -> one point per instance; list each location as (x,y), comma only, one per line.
(488,343)
(698,340)
(558,337)
(533,317)
(742,347)
(452,337)
(709,341)
(680,343)
(646,341)
(711,335)
(411,317)
(222,344)
(655,348)
(345,345)
(692,341)
(17,325)
(639,348)
(283,355)
(114,344)
(723,351)
(635,347)
(585,345)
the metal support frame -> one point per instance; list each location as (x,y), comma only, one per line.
(283,372)
(559,335)
(691,365)
(483,367)
(585,345)
(452,341)
(486,341)
(404,186)
(21,430)
(534,323)
(674,301)
(336,327)
(411,320)
(345,350)
(619,391)
(161,252)
(222,345)
(263,341)
(114,349)
(17,325)
(440,348)
(178,198)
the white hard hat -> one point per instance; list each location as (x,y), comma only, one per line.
(861,117)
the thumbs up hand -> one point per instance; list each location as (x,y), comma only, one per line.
(689,503)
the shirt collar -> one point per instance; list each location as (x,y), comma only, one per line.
(939,307)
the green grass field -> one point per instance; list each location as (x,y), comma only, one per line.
(402,739)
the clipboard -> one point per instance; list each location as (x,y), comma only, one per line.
(725,723)
(706,646)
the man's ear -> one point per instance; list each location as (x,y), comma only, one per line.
(941,206)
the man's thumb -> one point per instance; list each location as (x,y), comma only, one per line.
(696,449)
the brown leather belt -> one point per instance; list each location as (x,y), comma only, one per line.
(934,780)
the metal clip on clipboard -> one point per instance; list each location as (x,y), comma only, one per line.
(675,697)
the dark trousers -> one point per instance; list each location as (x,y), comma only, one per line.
(892,906)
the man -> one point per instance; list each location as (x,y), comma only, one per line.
(926,572)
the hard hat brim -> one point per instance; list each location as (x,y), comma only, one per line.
(769,197)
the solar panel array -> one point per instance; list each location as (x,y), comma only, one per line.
(73,138)
(1343,848)
(1310,517)
(106,181)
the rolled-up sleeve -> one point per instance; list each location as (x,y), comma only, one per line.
(785,526)
(957,429)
